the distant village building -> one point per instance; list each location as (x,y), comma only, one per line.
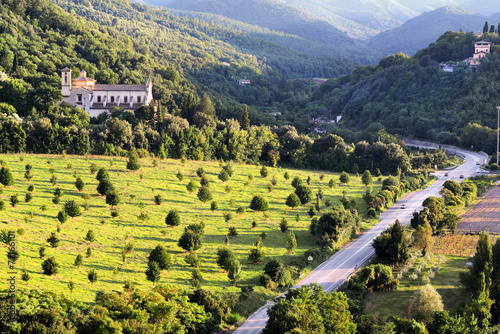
(243,82)
(481,50)
(95,98)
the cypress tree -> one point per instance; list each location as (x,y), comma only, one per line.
(245,121)
(485,28)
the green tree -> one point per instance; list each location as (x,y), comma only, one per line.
(79,260)
(245,121)
(367,178)
(293,200)
(425,303)
(112,198)
(190,240)
(90,237)
(191,186)
(173,218)
(204,194)
(393,245)
(50,266)
(482,264)
(486,27)
(92,276)
(62,216)
(225,257)
(6,177)
(133,160)
(264,172)
(161,257)
(234,272)
(79,184)
(223,176)
(105,186)
(304,193)
(257,252)
(53,240)
(291,242)
(72,209)
(344,178)
(309,309)
(102,174)
(259,203)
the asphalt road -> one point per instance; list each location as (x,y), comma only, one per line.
(334,271)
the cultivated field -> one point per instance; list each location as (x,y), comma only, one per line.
(484,216)
(36,219)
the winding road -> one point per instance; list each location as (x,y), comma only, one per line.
(333,272)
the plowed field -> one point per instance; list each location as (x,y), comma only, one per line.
(484,216)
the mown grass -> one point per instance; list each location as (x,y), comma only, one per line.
(446,282)
(140,187)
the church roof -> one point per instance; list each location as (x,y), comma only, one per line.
(66,70)
(83,79)
(120,87)
(483,42)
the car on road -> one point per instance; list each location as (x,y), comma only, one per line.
(403,206)
(478,163)
(461,176)
(445,174)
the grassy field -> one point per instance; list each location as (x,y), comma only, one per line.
(446,282)
(140,187)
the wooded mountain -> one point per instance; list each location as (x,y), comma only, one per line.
(424,29)
(276,16)
(413,97)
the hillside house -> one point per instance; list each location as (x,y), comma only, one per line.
(243,82)
(95,98)
(482,49)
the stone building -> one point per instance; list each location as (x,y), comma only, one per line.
(95,98)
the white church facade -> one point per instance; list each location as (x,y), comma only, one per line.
(95,98)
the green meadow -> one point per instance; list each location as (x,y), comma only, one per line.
(35,220)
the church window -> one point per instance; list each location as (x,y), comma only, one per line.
(98,98)
(79,98)
(112,99)
(138,99)
(125,99)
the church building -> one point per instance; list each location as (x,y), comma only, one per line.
(95,98)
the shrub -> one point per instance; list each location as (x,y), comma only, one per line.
(79,260)
(31,188)
(296,182)
(192,260)
(92,276)
(56,199)
(259,203)
(200,172)
(257,252)
(143,216)
(291,242)
(232,231)
(179,175)
(62,216)
(14,200)
(161,257)
(344,178)
(228,216)
(240,210)
(190,240)
(254,224)
(133,160)
(158,199)
(53,180)
(270,187)
(191,186)
(53,240)
(331,183)
(6,177)
(204,182)
(264,172)
(312,211)
(41,252)
(284,225)
(28,197)
(228,188)
(153,273)
(214,206)
(50,266)
(308,180)
(90,236)
(286,176)
(93,168)
(173,218)
(2,205)
(223,176)
(114,213)
(79,184)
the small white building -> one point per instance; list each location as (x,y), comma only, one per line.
(95,98)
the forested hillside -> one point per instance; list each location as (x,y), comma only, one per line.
(412,97)
(280,17)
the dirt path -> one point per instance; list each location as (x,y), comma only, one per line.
(484,216)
